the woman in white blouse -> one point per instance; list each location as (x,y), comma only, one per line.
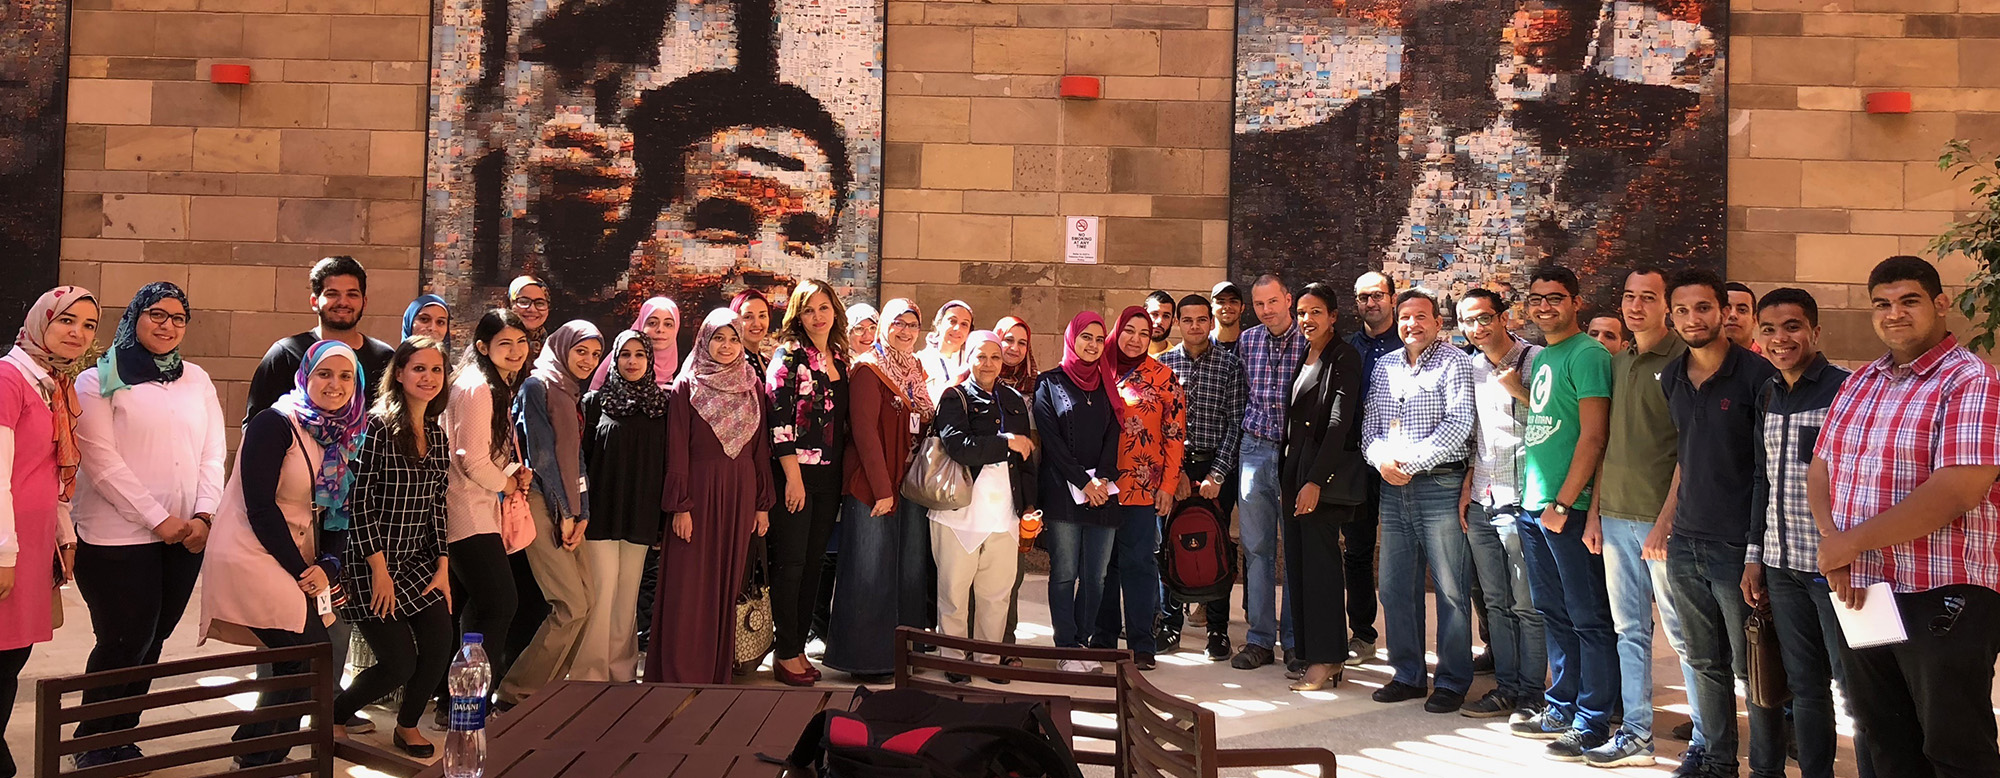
(151,438)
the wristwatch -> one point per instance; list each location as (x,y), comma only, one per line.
(1559,508)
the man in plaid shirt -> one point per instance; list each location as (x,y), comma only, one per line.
(1271,352)
(1216,392)
(1902,486)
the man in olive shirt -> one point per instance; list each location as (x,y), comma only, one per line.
(1634,492)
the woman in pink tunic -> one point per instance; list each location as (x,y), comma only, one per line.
(38,461)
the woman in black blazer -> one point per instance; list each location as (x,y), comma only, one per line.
(1323,480)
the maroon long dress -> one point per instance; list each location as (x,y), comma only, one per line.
(694,639)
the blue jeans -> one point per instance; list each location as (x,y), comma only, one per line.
(1078,556)
(873,589)
(1520,651)
(1257,518)
(1568,585)
(1634,584)
(1420,530)
(1135,574)
(1707,581)
(1809,640)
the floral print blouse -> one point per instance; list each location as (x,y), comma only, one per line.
(808,416)
(1154,436)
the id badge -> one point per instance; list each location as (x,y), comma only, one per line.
(916,424)
(325,602)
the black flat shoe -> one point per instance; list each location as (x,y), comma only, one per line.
(958,679)
(418,750)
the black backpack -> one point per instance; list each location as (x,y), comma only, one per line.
(911,733)
(1197,561)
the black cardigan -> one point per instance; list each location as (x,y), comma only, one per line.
(1079,432)
(970,431)
(1323,431)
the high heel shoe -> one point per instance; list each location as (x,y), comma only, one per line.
(418,750)
(790,678)
(1319,676)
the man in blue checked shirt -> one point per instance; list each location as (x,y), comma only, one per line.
(1417,432)
(1271,352)
(1217,392)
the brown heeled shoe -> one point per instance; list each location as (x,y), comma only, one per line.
(1319,676)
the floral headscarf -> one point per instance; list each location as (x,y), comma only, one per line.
(1020,376)
(338,431)
(62,372)
(129,364)
(663,367)
(903,367)
(621,397)
(727,395)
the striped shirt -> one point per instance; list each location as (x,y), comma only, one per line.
(1789,419)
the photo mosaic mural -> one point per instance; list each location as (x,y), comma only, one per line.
(621,149)
(34,75)
(1460,143)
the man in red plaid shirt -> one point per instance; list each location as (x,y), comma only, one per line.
(1902,485)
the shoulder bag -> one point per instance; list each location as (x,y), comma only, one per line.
(517,524)
(753,623)
(935,480)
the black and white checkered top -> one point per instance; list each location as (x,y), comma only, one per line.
(398,506)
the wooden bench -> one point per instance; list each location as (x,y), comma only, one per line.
(53,716)
(909,662)
(1167,737)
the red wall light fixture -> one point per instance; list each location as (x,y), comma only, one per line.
(229,74)
(1888,102)
(1081,87)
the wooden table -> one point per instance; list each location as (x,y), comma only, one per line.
(607,730)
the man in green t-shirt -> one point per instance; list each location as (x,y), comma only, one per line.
(1569,408)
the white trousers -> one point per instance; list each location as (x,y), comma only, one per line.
(983,577)
(610,648)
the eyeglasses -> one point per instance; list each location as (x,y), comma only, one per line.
(1953,606)
(535,303)
(157,316)
(1537,300)
(1369,297)
(1482,320)
(902,325)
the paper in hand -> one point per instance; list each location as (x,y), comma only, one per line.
(1878,622)
(1077,494)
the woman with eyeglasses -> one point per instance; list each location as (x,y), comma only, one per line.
(38,473)
(529,299)
(151,437)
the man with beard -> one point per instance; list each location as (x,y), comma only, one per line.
(339,295)
(1160,315)
(1225,302)
(1375,300)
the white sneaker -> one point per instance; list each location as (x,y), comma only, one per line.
(1079,666)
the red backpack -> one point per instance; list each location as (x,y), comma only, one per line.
(1197,560)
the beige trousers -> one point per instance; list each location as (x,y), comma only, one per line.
(984,577)
(610,648)
(565,582)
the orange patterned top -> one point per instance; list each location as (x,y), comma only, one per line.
(1154,437)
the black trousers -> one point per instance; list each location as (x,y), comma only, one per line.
(797,544)
(1359,560)
(11,662)
(482,587)
(412,653)
(136,594)
(1314,577)
(1174,612)
(278,638)
(1925,705)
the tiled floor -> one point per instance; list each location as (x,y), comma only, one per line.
(1253,709)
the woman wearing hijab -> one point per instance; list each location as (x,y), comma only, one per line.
(1017,372)
(753,317)
(485,466)
(984,426)
(659,320)
(944,354)
(808,384)
(282,526)
(529,298)
(150,432)
(1078,471)
(902,325)
(625,458)
(396,570)
(549,418)
(430,317)
(1152,416)
(862,324)
(39,457)
(883,421)
(719,491)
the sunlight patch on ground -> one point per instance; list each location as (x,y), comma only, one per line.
(1028,631)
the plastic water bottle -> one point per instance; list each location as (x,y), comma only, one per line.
(470,679)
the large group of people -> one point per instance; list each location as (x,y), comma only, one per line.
(592,502)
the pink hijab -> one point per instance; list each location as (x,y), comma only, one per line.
(971,351)
(1087,375)
(664,362)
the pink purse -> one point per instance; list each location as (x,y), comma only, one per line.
(517,525)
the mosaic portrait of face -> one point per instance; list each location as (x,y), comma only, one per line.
(757,208)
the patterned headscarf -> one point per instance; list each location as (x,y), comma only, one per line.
(565,398)
(620,397)
(663,367)
(129,364)
(1116,364)
(62,374)
(338,431)
(1020,376)
(1087,375)
(410,313)
(903,367)
(727,396)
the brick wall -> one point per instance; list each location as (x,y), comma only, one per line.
(984,160)
(1820,190)
(234,191)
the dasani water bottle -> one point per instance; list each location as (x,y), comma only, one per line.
(470,680)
